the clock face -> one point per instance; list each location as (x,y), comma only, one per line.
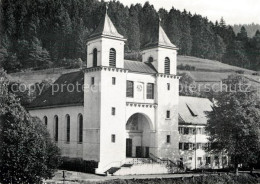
(139,87)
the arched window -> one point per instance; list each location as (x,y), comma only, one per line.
(80,128)
(68,128)
(150,59)
(94,57)
(112,57)
(167,66)
(45,120)
(56,128)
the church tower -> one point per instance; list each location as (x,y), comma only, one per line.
(104,94)
(162,55)
(105,45)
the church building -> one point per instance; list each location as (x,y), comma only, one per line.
(121,109)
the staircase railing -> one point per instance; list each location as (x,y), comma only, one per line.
(157,159)
(167,161)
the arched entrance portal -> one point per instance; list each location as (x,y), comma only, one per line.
(138,136)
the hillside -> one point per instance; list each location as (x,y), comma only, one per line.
(213,71)
(206,70)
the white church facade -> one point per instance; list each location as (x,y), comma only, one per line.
(127,109)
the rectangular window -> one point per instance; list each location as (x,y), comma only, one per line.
(224,160)
(191,146)
(199,160)
(168,138)
(92,80)
(186,130)
(130,89)
(186,146)
(208,160)
(113,111)
(168,86)
(150,91)
(180,146)
(113,81)
(191,130)
(199,145)
(181,130)
(216,159)
(113,138)
(199,131)
(168,114)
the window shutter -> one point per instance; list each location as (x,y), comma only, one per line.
(112,58)
(167,66)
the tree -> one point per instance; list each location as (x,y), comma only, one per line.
(187,86)
(28,154)
(254,51)
(234,123)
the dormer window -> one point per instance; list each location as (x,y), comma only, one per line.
(167,66)
(150,59)
(112,57)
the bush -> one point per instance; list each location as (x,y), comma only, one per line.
(240,71)
(186,67)
(78,165)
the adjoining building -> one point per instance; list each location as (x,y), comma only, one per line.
(193,143)
(115,110)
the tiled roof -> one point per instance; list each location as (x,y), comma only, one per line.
(106,28)
(65,95)
(138,66)
(192,110)
(160,39)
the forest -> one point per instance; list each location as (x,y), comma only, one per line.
(43,34)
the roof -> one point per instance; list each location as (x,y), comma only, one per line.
(59,96)
(192,110)
(138,66)
(160,39)
(106,28)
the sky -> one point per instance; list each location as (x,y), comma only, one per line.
(233,11)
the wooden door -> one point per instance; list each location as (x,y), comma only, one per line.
(128,147)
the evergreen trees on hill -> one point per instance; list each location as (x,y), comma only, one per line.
(46,33)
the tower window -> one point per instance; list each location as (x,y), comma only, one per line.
(45,120)
(80,128)
(112,58)
(92,80)
(168,138)
(56,128)
(167,66)
(168,114)
(130,89)
(168,86)
(113,81)
(68,128)
(113,111)
(94,57)
(113,138)
(150,91)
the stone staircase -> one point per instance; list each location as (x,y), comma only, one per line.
(152,165)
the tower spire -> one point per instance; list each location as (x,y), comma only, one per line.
(106,28)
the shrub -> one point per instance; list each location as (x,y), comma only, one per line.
(78,165)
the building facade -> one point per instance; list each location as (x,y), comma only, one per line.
(123,108)
(193,143)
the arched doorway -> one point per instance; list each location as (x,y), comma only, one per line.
(138,136)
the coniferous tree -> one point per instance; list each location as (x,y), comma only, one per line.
(133,28)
